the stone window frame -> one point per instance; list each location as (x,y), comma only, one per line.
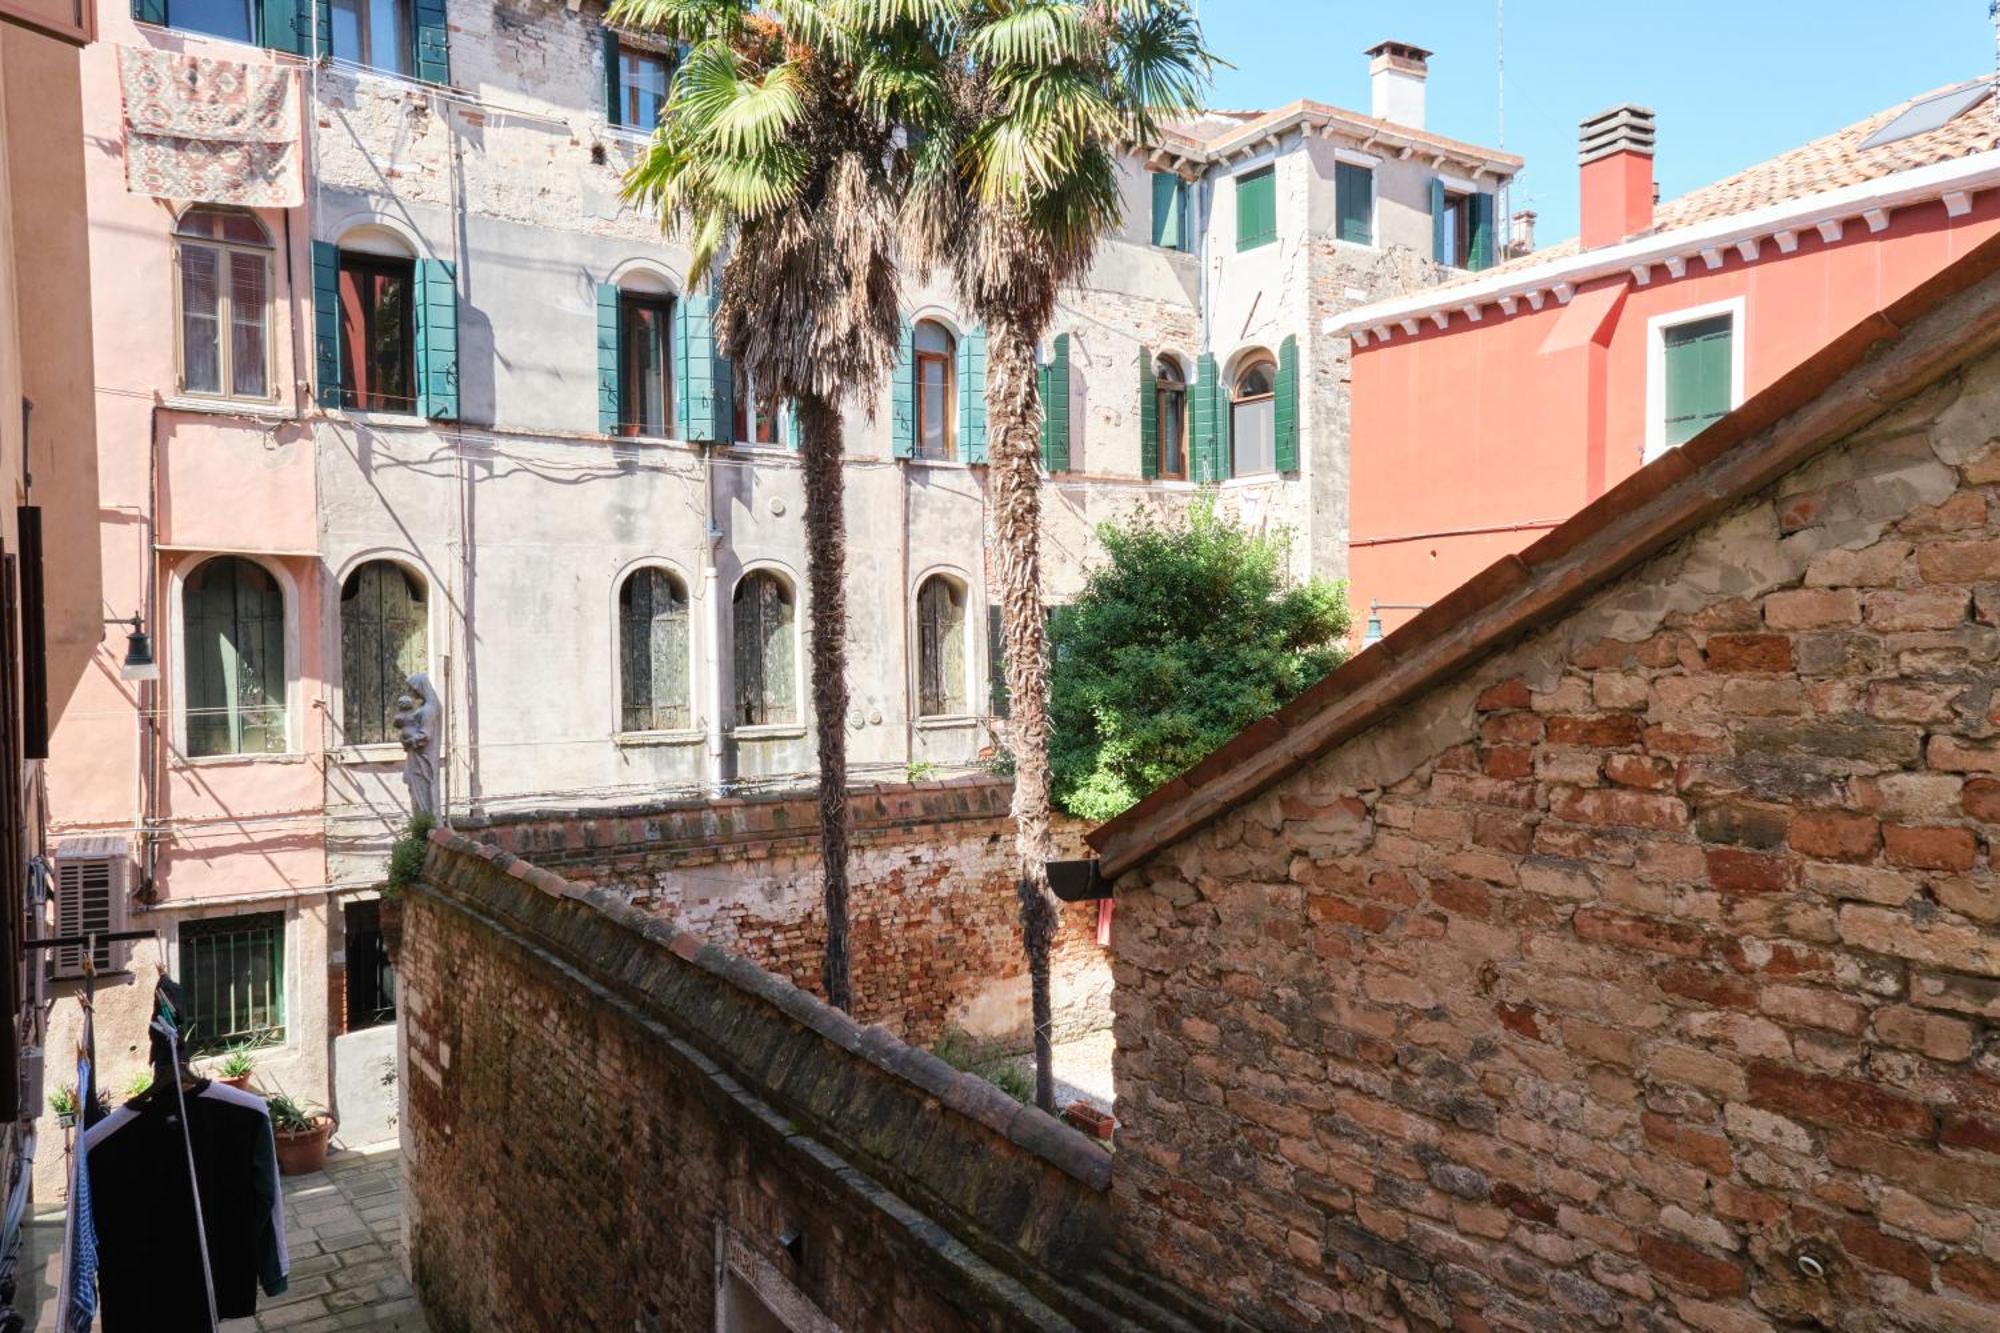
(1737,308)
(796,726)
(969,616)
(434,634)
(177,647)
(694,731)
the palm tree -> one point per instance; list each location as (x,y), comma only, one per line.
(1012,192)
(779,152)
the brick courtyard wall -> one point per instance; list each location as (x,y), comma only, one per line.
(934,922)
(608,1121)
(1623,980)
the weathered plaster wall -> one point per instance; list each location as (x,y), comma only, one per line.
(1601,983)
(934,933)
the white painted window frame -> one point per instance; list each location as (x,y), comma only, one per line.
(1656,363)
(1355,158)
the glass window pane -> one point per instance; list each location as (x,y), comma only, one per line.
(233,975)
(383,641)
(644,391)
(201,345)
(642,82)
(390,43)
(349,20)
(377,342)
(1173,432)
(234,671)
(249,360)
(1253,437)
(218,18)
(932,400)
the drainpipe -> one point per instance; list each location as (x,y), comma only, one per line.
(903,610)
(711,590)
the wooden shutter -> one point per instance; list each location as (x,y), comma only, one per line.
(283,26)
(608,358)
(433,42)
(702,375)
(150,11)
(322,27)
(903,395)
(1479,208)
(1698,374)
(437,339)
(972,396)
(1168,223)
(1285,405)
(1354,203)
(614,104)
(1256,208)
(1208,435)
(326,321)
(90,898)
(1149,417)
(1440,232)
(1055,408)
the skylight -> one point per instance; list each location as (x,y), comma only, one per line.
(1930,114)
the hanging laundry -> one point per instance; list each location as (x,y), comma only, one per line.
(77,1303)
(184,1183)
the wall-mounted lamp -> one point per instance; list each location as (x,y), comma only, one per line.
(138,663)
(1373,633)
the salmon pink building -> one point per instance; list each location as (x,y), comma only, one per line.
(1490,408)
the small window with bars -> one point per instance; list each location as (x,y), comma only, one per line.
(90,900)
(233,974)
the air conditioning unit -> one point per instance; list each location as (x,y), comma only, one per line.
(91,878)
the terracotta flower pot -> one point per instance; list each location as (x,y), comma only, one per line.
(240,1081)
(303,1151)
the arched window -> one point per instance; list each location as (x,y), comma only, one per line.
(1253,436)
(234,617)
(645,348)
(224,261)
(1170,418)
(384,633)
(378,322)
(937,390)
(940,648)
(766,674)
(652,652)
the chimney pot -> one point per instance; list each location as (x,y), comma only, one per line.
(1523,239)
(1396,73)
(1615,153)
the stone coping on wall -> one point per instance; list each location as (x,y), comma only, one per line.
(1006,1179)
(742,825)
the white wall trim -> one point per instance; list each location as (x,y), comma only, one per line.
(1656,363)
(360,232)
(676,284)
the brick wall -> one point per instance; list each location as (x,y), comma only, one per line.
(934,929)
(1598,987)
(599,1106)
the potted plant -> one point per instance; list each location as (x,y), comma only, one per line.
(301,1131)
(141,1081)
(236,1067)
(63,1103)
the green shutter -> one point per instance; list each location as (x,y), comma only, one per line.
(281,26)
(1208,437)
(607,358)
(433,42)
(1256,208)
(1169,194)
(903,396)
(322,27)
(613,103)
(996,661)
(437,339)
(1285,405)
(1149,417)
(1440,236)
(1699,382)
(702,380)
(788,427)
(150,11)
(326,321)
(1480,207)
(1055,408)
(972,396)
(1354,203)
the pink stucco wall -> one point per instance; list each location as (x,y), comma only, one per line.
(178,480)
(1469,442)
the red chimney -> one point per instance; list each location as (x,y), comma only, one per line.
(1616,149)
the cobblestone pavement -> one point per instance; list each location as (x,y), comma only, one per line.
(343,1226)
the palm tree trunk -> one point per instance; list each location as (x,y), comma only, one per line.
(1014,413)
(826,565)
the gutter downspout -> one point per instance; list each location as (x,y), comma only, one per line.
(711,590)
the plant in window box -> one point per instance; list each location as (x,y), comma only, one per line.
(301,1130)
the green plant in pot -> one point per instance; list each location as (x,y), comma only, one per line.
(301,1130)
(236,1066)
(63,1104)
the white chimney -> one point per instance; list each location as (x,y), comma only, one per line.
(1396,72)
(1523,239)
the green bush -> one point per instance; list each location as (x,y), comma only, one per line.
(1188,633)
(961,1052)
(406,858)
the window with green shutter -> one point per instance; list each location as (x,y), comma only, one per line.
(1354,203)
(1169,211)
(437,339)
(1285,407)
(972,396)
(1256,208)
(1697,362)
(703,380)
(1053,381)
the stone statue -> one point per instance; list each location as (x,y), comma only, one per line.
(416,722)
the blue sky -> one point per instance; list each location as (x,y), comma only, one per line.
(1733,83)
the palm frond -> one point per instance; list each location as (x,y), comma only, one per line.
(1044,32)
(759,115)
(680,20)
